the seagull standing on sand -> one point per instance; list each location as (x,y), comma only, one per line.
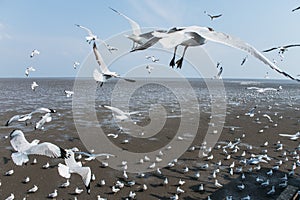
(71,166)
(153,59)
(34,52)
(10,197)
(24,148)
(53,194)
(105,72)
(197,35)
(33,189)
(34,85)
(29,69)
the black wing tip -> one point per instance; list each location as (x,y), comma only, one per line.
(63,153)
(7,123)
(88,189)
(52,111)
(113,9)
(11,134)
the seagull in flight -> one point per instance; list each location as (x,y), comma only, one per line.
(24,148)
(34,85)
(292,137)
(76,64)
(34,52)
(119,114)
(197,35)
(153,59)
(92,156)
(281,49)
(262,90)
(149,68)
(71,166)
(91,36)
(212,17)
(296,9)
(46,118)
(29,69)
(218,76)
(69,93)
(244,60)
(105,72)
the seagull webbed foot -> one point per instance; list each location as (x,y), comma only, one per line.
(179,63)
(172,62)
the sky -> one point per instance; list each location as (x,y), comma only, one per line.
(49,27)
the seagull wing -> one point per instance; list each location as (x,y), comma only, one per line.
(292,45)
(172,39)
(13,118)
(43,110)
(253,88)
(88,30)
(228,40)
(86,175)
(114,109)
(287,135)
(296,9)
(100,61)
(47,149)
(18,141)
(271,49)
(216,16)
(98,76)
(136,30)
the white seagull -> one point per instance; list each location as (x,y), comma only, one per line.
(105,72)
(46,118)
(33,189)
(149,68)
(244,60)
(197,35)
(119,114)
(292,137)
(29,69)
(53,194)
(69,93)
(262,90)
(24,148)
(91,36)
(34,85)
(92,156)
(282,49)
(218,76)
(34,52)
(76,64)
(71,166)
(296,9)
(153,59)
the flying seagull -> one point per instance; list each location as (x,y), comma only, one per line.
(69,93)
(153,59)
(296,9)
(262,90)
(71,166)
(137,36)
(29,69)
(197,35)
(24,148)
(76,64)
(212,17)
(218,76)
(149,68)
(292,137)
(91,36)
(92,156)
(105,72)
(119,114)
(244,60)
(282,49)
(46,118)
(34,52)
(34,85)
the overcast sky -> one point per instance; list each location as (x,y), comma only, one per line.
(49,27)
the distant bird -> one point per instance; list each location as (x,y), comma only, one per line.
(181,182)
(76,64)
(46,166)
(46,118)
(29,69)
(69,93)
(10,197)
(246,198)
(179,190)
(132,195)
(266,183)
(153,59)
(119,114)
(92,156)
(53,194)
(282,49)
(34,85)
(34,52)
(26,180)
(244,60)
(292,137)
(78,190)
(24,148)
(217,184)
(197,36)
(241,186)
(272,191)
(262,90)
(175,197)
(149,68)
(296,9)
(71,166)
(65,184)
(33,189)
(250,113)
(9,172)
(212,17)
(105,72)
(218,76)
(19,118)
(91,36)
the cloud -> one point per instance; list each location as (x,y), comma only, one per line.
(3,33)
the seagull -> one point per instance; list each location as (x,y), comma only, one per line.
(76,64)
(282,49)
(262,90)
(65,184)
(46,166)
(46,118)
(34,85)
(153,59)
(217,184)
(24,148)
(53,194)
(10,197)
(29,69)
(119,114)
(78,190)
(33,189)
(244,60)
(34,52)
(296,9)
(75,167)
(26,180)
(149,68)
(218,76)
(105,73)
(138,38)
(212,17)
(292,137)
(91,37)
(272,191)
(69,93)
(250,113)
(196,36)
(9,172)
(92,156)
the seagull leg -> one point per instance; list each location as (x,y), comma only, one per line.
(172,63)
(179,62)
